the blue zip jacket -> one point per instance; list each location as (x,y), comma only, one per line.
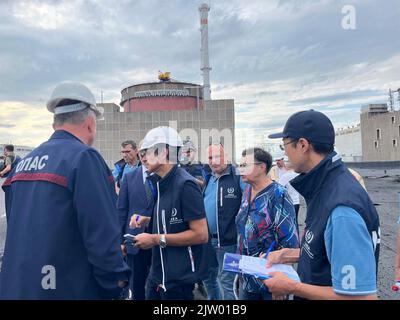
(62,233)
(132,199)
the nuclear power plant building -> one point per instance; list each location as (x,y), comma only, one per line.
(187,107)
(149,105)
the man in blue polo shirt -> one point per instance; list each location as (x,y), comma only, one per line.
(222,199)
(339,251)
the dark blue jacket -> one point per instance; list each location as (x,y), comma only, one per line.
(195,170)
(132,199)
(230,191)
(325,187)
(176,266)
(61,214)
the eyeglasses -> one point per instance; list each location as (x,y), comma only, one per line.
(143,152)
(245,165)
(282,146)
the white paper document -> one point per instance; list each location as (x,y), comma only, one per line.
(256,266)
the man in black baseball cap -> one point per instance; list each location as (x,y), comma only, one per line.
(341,219)
(307,130)
(311,125)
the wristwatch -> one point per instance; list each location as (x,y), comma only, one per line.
(163,241)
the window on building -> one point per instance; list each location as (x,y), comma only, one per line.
(394,143)
(393,119)
(378,134)
(376,144)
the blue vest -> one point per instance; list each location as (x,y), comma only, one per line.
(328,185)
(62,222)
(133,200)
(229,200)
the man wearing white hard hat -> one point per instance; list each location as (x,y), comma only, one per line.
(188,162)
(279,167)
(179,236)
(63,238)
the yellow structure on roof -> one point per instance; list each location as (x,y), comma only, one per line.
(164,76)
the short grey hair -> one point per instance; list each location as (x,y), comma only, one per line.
(129,142)
(75,117)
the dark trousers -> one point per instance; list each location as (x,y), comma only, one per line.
(262,295)
(154,292)
(140,266)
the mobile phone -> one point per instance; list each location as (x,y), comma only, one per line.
(129,237)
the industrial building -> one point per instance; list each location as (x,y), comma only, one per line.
(186,106)
(380,132)
(348,143)
(375,139)
(191,122)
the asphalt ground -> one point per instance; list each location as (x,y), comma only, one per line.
(384,189)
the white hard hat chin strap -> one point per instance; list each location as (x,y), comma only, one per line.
(70,108)
(80,106)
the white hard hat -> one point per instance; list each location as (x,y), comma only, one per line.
(161,135)
(279,156)
(73,91)
(189,145)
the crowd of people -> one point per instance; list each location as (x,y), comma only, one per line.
(159,225)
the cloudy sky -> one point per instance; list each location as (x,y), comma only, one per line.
(274,57)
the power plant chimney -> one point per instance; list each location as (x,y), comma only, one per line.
(205,63)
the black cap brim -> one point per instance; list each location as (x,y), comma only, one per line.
(276,135)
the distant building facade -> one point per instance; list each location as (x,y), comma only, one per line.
(348,143)
(380,132)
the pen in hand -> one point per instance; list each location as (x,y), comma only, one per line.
(134,222)
(272,245)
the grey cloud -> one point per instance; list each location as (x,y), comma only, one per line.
(115,40)
(239,51)
(7,126)
(331,98)
(267,93)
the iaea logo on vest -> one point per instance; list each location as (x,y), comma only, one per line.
(231,193)
(309,236)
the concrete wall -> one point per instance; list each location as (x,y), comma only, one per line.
(374,165)
(119,126)
(386,146)
(348,144)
